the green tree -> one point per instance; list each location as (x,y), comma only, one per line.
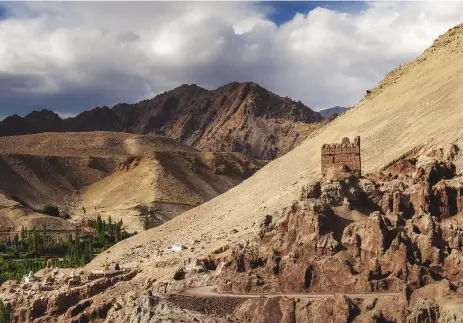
(35,241)
(16,242)
(23,233)
(87,254)
(4,314)
(45,230)
(110,227)
(99,225)
(118,233)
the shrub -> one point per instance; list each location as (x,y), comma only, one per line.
(17,199)
(50,210)
(4,314)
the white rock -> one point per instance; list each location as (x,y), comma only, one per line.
(178,248)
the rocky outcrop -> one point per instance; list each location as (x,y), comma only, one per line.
(337,308)
(158,308)
(380,233)
(448,198)
(238,117)
(51,297)
(398,232)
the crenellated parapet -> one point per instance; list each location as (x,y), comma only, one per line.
(340,158)
(346,147)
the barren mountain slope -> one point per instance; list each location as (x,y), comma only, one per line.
(417,104)
(50,168)
(117,174)
(162,185)
(95,144)
(13,216)
(40,180)
(238,117)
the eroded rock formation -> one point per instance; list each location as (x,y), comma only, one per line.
(398,230)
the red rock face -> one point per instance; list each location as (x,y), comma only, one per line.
(356,235)
(460,200)
(447,198)
(280,309)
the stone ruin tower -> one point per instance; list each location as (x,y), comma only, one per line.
(341,159)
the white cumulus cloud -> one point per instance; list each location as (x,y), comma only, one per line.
(73,56)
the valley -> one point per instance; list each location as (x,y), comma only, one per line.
(267,214)
(128,177)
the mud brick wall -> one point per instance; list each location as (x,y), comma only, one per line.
(337,158)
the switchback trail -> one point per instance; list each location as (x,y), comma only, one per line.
(211,291)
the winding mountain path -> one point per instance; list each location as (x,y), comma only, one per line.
(211,291)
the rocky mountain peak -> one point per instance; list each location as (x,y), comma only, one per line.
(43,114)
(238,117)
(36,121)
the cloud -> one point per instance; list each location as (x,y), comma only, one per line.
(72,56)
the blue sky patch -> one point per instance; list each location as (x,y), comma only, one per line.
(283,11)
(2,12)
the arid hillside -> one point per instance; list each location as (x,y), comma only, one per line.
(14,216)
(122,175)
(238,117)
(49,169)
(158,187)
(95,144)
(417,106)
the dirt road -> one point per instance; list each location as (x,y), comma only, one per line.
(211,291)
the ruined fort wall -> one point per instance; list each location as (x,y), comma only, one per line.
(336,157)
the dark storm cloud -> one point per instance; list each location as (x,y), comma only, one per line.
(68,57)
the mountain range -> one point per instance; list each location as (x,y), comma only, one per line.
(238,117)
(328,113)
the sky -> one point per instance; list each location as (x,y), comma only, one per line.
(74,56)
